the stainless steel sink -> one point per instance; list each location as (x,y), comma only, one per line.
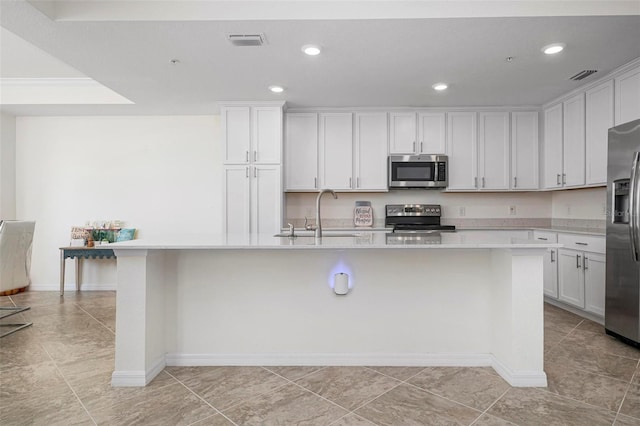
(324,234)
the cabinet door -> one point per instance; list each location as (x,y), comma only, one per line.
(236,134)
(594,282)
(336,151)
(573,158)
(524,150)
(266,124)
(236,202)
(462,150)
(551,273)
(493,151)
(553,147)
(371,148)
(628,96)
(571,277)
(402,132)
(266,199)
(431,133)
(599,118)
(301,152)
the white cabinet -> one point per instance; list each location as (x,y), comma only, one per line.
(627,87)
(573,158)
(402,132)
(430,128)
(336,151)
(581,272)
(431,133)
(493,151)
(550,263)
(552,177)
(524,150)
(462,150)
(301,152)
(599,118)
(371,147)
(253,199)
(252,134)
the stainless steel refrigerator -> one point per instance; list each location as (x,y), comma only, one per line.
(622,308)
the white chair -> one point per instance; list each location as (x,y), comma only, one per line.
(16,238)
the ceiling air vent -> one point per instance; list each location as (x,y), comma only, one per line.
(583,74)
(246,39)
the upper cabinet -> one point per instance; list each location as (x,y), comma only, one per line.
(336,151)
(599,118)
(371,141)
(552,177)
(524,150)
(627,88)
(417,133)
(462,149)
(573,158)
(493,151)
(252,134)
(301,152)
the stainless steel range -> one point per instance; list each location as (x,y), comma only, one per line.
(414,224)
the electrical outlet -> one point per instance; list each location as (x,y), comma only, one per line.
(512,210)
(462,211)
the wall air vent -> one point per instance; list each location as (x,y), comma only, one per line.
(246,39)
(583,74)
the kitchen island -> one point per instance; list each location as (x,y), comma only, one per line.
(450,299)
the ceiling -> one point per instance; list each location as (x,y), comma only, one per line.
(366,62)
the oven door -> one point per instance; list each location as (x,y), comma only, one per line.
(412,174)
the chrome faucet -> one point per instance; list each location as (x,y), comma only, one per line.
(318,231)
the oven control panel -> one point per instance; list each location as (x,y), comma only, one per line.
(400,210)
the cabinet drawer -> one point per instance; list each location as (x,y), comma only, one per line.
(550,237)
(588,243)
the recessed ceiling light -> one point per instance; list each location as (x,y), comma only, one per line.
(276,89)
(552,49)
(175,61)
(311,49)
(440,86)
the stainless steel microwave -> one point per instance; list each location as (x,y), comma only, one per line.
(418,171)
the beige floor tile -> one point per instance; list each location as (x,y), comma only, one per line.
(552,337)
(49,409)
(294,372)
(602,342)
(489,420)
(352,419)
(530,406)
(224,387)
(400,373)
(105,315)
(348,387)
(23,382)
(594,389)
(591,360)
(98,362)
(631,405)
(592,326)
(407,405)
(468,386)
(288,405)
(560,319)
(169,405)
(623,420)
(215,420)
(20,349)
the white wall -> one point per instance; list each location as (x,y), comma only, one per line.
(588,203)
(7,167)
(157,174)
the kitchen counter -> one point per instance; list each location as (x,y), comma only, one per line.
(470,299)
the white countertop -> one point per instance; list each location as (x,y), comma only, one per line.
(365,240)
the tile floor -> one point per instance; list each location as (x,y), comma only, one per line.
(58,372)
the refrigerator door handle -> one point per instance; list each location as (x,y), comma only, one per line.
(633,205)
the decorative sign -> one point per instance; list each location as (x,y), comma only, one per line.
(363,216)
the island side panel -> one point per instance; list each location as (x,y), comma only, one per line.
(140,313)
(276,307)
(517,316)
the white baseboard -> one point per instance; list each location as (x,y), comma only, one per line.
(577,311)
(520,379)
(137,378)
(72,287)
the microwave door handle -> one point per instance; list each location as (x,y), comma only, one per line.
(633,206)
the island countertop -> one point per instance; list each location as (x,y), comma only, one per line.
(337,240)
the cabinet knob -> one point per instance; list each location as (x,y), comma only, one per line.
(515,182)
(558,179)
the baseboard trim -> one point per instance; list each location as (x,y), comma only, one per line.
(72,287)
(520,379)
(137,378)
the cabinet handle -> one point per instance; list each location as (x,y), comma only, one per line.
(515,182)
(255,155)
(255,172)
(483,181)
(542,238)
(564,179)
(553,259)
(414,147)
(558,179)
(315,182)
(581,244)
(421,149)
(246,171)
(475,182)
(358,182)
(578,261)
(586,266)
(350,183)
(246,156)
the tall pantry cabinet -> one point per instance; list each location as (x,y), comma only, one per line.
(252,178)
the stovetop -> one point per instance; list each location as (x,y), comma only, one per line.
(415,218)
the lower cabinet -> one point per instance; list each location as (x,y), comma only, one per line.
(253,199)
(551,273)
(571,277)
